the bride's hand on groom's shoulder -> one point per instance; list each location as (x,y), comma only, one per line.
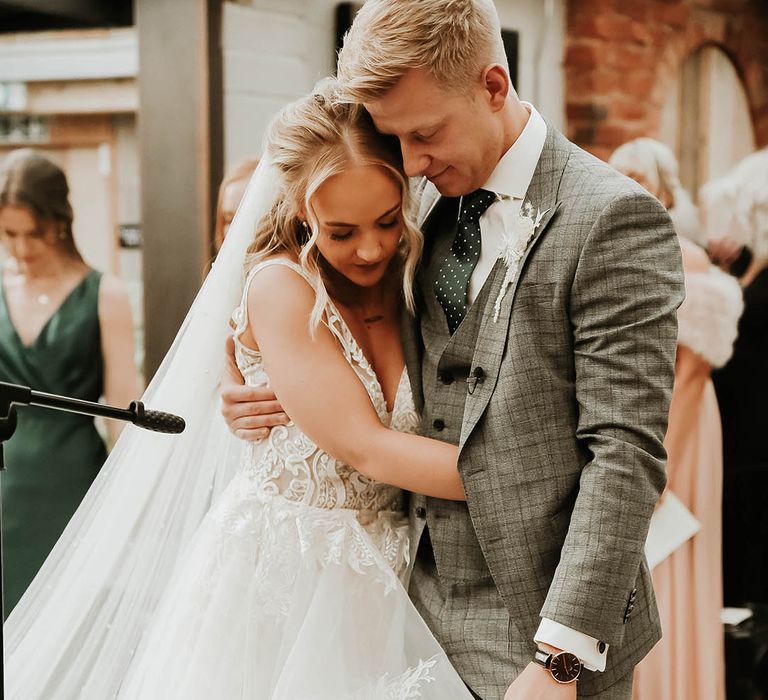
(536,683)
(249,411)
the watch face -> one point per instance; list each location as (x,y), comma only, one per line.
(565,667)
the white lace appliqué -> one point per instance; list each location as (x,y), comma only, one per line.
(406,686)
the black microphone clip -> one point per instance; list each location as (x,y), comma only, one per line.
(476,376)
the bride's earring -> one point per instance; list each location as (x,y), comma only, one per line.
(306,231)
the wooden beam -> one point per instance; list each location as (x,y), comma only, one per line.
(69,55)
(181,151)
(83,97)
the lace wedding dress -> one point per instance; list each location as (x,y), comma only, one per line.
(292,588)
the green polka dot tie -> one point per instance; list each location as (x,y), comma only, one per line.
(453,277)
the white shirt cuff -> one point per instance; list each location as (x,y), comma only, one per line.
(592,652)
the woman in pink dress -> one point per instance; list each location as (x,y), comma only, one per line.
(688,663)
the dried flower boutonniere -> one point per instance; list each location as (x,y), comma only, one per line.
(518,232)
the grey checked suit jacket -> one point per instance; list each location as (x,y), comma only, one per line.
(561,442)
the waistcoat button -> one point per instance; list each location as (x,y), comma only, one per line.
(446,377)
(438,424)
(421,512)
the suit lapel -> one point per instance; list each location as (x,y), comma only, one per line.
(410,331)
(493,334)
(413,351)
(429,197)
(439,230)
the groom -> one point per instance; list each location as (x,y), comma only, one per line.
(551,367)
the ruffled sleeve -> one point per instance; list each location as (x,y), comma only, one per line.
(708,318)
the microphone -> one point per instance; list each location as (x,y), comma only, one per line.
(136,413)
(158,421)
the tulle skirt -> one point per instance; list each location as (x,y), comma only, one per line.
(283,601)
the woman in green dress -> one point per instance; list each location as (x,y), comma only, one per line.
(65,329)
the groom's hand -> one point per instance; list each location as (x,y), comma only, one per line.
(536,683)
(249,411)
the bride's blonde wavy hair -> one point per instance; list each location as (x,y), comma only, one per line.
(308,142)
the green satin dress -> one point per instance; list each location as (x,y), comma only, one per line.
(52,457)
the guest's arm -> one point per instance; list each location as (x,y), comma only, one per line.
(121,380)
(250,412)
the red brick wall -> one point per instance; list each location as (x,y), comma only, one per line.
(623,55)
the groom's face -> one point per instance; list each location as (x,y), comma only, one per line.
(451,137)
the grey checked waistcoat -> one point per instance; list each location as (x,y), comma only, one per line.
(481,631)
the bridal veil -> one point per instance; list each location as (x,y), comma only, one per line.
(74,631)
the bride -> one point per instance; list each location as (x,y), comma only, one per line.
(205,568)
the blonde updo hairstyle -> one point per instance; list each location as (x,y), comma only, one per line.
(658,166)
(308,142)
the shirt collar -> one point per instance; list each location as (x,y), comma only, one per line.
(513,174)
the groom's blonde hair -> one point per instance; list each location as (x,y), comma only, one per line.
(451,39)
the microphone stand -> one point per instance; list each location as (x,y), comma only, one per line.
(12,395)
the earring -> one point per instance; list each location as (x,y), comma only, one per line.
(306,232)
(62,235)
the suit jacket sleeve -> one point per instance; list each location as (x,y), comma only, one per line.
(626,289)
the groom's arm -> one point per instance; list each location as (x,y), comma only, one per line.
(625,294)
(249,411)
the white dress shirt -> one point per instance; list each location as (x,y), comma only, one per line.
(510,181)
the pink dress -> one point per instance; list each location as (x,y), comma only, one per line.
(688,663)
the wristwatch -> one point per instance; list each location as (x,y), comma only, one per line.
(564,666)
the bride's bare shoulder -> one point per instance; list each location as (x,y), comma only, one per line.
(279,303)
(280,287)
